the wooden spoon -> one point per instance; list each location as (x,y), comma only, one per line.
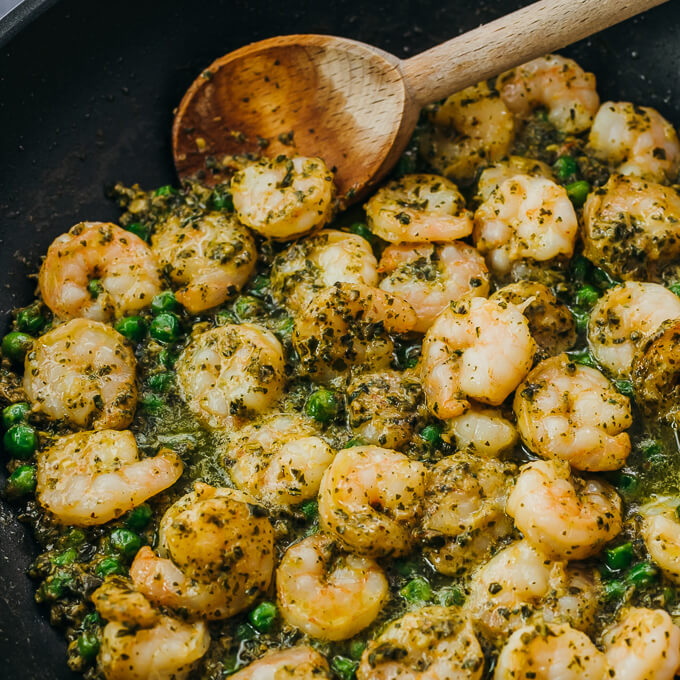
(352,104)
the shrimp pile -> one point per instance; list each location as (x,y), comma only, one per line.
(432,437)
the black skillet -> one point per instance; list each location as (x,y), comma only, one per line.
(86,96)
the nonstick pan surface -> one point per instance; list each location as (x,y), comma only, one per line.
(86,97)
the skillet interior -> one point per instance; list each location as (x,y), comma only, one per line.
(87,92)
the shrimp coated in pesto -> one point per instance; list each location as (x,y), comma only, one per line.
(295,663)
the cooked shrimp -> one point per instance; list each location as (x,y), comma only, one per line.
(282,197)
(313,263)
(661,533)
(472,128)
(430,276)
(210,258)
(643,645)
(327,594)
(90,478)
(550,322)
(493,176)
(571,412)
(550,652)
(565,517)
(520,584)
(231,371)
(279,460)
(556,83)
(476,348)
(296,663)
(525,218)
(98,271)
(464,510)
(483,431)
(656,373)
(623,317)
(349,324)
(418,208)
(139,643)
(216,555)
(82,372)
(384,407)
(432,643)
(636,140)
(631,228)
(371,499)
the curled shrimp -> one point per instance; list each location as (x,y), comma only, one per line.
(384,407)
(661,533)
(231,371)
(209,258)
(550,322)
(476,349)
(329,594)
(636,140)
(216,555)
(282,197)
(631,228)
(493,176)
(371,499)
(430,276)
(418,208)
(481,430)
(565,517)
(432,643)
(520,585)
(279,460)
(471,128)
(525,219)
(550,652)
(643,645)
(571,412)
(464,510)
(90,478)
(623,318)
(556,83)
(349,324)
(139,642)
(313,263)
(83,372)
(296,663)
(98,271)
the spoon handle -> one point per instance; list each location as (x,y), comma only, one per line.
(509,41)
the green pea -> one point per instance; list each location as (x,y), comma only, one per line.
(160,382)
(322,405)
(88,645)
(15,345)
(166,358)
(417,590)
(57,585)
(125,542)
(356,649)
(642,574)
(624,386)
(344,668)
(614,590)
(222,200)
(244,632)
(578,192)
(619,557)
(247,307)
(626,484)
(405,567)
(354,441)
(21,482)
(432,434)
(310,509)
(565,167)
(224,317)
(75,537)
(602,279)
(20,441)
(95,288)
(67,557)
(587,296)
(675,288)
(263,616)
(450,596)
(152,403)
(132,327)
(581,318)
(109,566)
(650,448)
(30,320)
(166,190)
(138,518)
(91,619)
(164,302)
(139,229)
(260,284)
(15,413)
(580,266)
(165,327)
(360,229)
(583,357)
